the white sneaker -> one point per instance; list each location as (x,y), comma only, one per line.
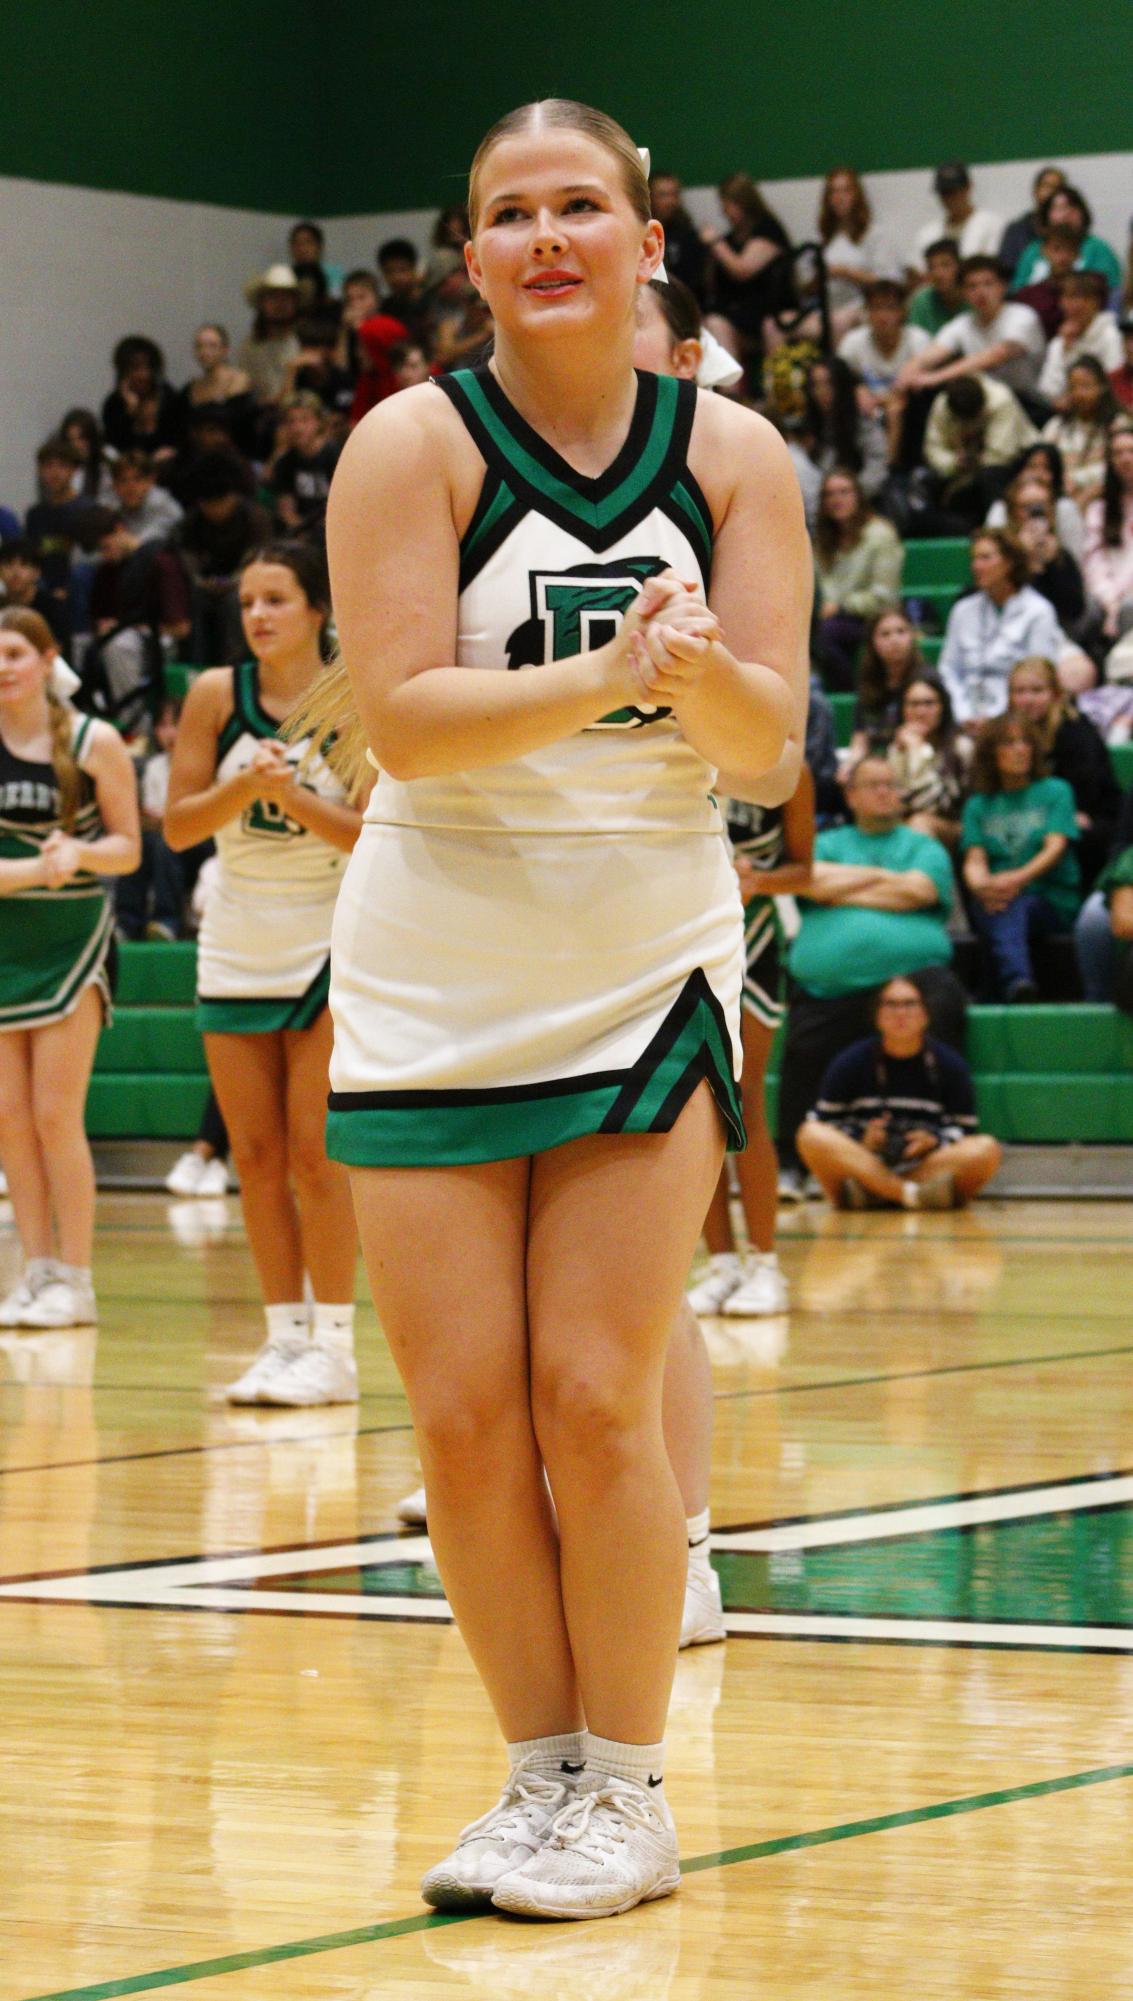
(267,1369)
(213,1178)
(320,1373)
(58,1303)
(411,1510)
(184,1177)
(702,1621)
(610,1848)
(15,1305)
(504,1838)
(3,1184)
(724,1274)
(763,1290)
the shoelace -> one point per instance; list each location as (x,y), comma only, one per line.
(524,1790)
(575,1826)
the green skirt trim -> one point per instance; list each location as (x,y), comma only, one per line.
(232,1016)
(51,948)
(456,1128)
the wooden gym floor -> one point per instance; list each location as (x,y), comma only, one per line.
(236,1726)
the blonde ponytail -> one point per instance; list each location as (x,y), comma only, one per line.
(68,776)
(328,716)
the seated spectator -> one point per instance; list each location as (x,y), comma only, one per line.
(1081,430)
(1067,205)
(747,264)
(318,280)
(301,475)
(403,298)
(858,560)
(140,597)
(1004,620)
(1087,329)
(221,387)
(933,305)
(374,340)
(92,477)
(976,428)
(1044,295)
(409,364)
(451,230)
(143,411)
(1024,229)
(57,523)
(272,346)
(685,255)
(10,527)
(206,435)
(895,1122)
(319,373)
(220,530)
(976,232)
(991,337)
(878,351)
(1107,565)
(878,904)
(1105,922)
(458,323)
(890,659)
(1031,521)
(1121,381)
(22,587)
(836,432)
(931,760)
(1041,462)
(361,299)
(148,511)
(820,751)
(150,903)
(856,251)
(1073,750)
(1019,840)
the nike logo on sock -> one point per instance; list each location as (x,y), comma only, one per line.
(574,1770)
(655,1782)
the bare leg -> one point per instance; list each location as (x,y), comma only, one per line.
(249,1077)
(62,1057)
(687,1410)
(613,1225)
(718,1222)
(322,1187)
(445,1249)
(28,1188)
(970,1162)
(834,1157)
(758,1165)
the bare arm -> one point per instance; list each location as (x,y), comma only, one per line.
(119,849)
(792,877)
(896,889)
(747,713)
(394,560)
(337,824)
(29,874)
(1121,912)
(756,254)
(987,360)
(197,805)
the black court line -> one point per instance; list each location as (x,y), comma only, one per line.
(917,1375)
(219,1445)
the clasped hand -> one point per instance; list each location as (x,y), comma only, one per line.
(269,775)
(61,857)
(669,634)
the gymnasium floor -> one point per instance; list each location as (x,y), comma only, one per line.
(908,1773)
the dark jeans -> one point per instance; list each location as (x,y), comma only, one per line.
(839,639)
(1008,933)
(213,1130)
(818,1031)
(168,873)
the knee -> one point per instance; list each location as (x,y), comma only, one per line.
(310,1169)
(986,1155)
(460,1424)
(58,1119)
(815,1141)
(258,1157)
(587,1418)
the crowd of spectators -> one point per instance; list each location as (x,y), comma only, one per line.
(975,382)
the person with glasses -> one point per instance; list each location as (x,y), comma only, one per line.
(895,1122)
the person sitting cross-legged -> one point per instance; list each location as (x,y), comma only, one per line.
(895,1122)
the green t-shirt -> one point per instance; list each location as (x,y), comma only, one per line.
(841,949)
(928,310)
(1010,827)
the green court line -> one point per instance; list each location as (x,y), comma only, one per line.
(756,1851)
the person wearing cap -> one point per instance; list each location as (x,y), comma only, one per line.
(272,346)
(1121,380)
(975,231)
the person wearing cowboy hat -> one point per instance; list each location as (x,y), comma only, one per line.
(272,346)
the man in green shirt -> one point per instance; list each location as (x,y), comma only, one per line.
(941,299)
(877,906)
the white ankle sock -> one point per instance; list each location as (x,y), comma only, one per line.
(334,1325)
(78,1276)
(643,1763)
(565,1754)
(39,1270)
(723,1261)
(290,1318)
(697,1526)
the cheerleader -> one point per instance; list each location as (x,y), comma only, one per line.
(68,821)
(283,826)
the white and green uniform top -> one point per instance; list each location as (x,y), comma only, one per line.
(550,946)
(264,945)
(53,942)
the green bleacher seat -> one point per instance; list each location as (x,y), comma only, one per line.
(932,648)
(1040,1107)
(159,1105)
(1083,1040)
(179,678)
(150,1039)
(157,974)
(843,707)
(1121,757)
(942,563)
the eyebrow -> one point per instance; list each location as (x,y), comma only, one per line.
(575,188)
